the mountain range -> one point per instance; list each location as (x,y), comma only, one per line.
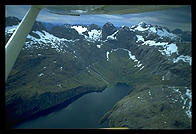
(63,62)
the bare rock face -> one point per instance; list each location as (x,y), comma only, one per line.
(185,35)
(93,26)
(108,29)
(125,37)
(65,32)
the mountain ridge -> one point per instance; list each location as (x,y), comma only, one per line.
(102,57)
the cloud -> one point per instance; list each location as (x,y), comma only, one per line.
(106,16)
(173,18)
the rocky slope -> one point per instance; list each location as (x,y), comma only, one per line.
(55,62)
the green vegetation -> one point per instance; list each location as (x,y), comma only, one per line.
(149,104)
(42,77)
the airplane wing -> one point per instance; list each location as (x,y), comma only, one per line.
(105,9)
(16,42)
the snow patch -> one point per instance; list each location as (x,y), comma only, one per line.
(79,29)
(132,57)
(161,32)
(107,55)
(99,46)
(139,38)
(59,85)
(149,93)
(163,77)
(141,68)
(165,33)
(184,59)
(47,39)
(129,53)
(94,35)
(185,98)
(168,49)
(140,28)
(138,64)
(41,74)
(153,43)
(153,29)
(113,36)
(10,29)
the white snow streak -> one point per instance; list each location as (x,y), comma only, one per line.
(107,55)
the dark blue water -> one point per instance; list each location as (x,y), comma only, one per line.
(85,112)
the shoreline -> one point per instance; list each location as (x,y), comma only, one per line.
(14,123)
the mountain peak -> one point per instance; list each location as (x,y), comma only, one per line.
(93,26)
(11,20)
(109,23)
(142,23)
(108,29)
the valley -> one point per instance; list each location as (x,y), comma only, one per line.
(63,62)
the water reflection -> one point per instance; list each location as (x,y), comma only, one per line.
(85,112)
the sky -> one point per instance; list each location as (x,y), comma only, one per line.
(170,18)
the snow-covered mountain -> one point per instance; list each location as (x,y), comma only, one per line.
(145,56)
(146,34)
